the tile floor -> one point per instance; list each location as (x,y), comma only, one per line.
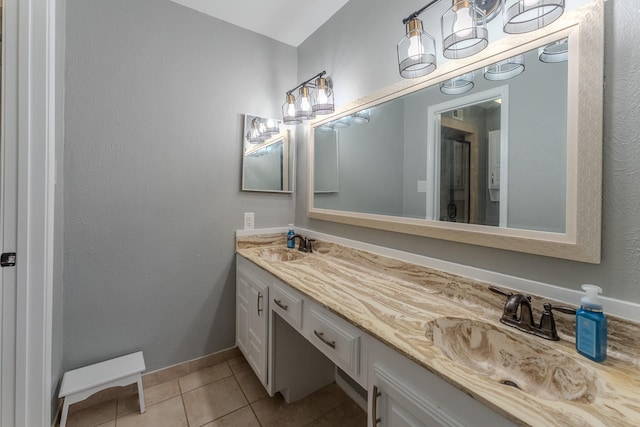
(224,395)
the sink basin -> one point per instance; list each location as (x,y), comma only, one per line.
(279,254)
(523,362)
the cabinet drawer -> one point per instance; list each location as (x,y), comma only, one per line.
(287,303)
(336,338)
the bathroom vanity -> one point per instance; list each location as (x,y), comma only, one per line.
(426,346)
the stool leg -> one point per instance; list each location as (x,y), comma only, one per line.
(140,395)
(65,413)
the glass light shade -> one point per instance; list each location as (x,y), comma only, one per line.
(458,85)
(416,51)
(522,16)
(504,70)
(255,135)
(272,127)
(289,111)
(464,30)
(343,122)
(323,96)
(555,52)
(361,117)
(326,127)
(304,105)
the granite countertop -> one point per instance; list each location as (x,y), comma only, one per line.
(408,307)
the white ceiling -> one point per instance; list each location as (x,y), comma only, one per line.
(288,21)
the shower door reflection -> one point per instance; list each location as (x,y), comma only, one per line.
(455,179)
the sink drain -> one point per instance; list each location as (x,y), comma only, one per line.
(509,383)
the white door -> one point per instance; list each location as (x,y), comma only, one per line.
(27,178)
(8,225)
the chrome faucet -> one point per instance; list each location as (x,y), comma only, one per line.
(306,245)
(517,313)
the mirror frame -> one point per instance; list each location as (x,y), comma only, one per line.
(581,240)
(288,148)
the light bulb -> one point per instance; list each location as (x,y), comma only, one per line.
(322,96)
(304,104)
(415,47)
(463,22)
(291,110)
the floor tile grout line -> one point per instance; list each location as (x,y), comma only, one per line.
(204,385)
(184,408)
(255,414)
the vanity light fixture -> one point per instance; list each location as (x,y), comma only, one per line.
(289,111)
(555,52)
(522,16)
(314,97)
(504,70)
(458,85)
(417,49)
(464,30)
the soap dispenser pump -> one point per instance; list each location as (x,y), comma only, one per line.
(591,325)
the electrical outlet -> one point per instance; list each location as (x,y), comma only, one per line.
(422,186)
(249,220)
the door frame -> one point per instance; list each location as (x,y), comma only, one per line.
(30,35)
(433,146)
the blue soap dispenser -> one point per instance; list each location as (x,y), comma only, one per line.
(290,242)
(591,325)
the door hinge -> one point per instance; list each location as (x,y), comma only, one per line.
(8,259)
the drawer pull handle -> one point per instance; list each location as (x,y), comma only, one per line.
(374,406)
(280,304)
(320,335)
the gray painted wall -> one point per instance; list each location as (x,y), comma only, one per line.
(357,48)
(154,99)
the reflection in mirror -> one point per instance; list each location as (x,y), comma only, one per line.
(450,155)
(530,182)
(326,178)
(267,163)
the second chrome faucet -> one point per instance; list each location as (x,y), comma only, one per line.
(517,313)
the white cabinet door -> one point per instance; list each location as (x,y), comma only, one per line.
(402,393)
(258,323)
(252,317)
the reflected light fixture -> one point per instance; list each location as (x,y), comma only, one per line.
(506,69)
(458,84)
(555,52)
(464,29)
(522,16)
(314,97)
(261,129)
(341,123)
(361,117)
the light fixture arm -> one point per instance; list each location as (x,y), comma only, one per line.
(419,12)
(306,82)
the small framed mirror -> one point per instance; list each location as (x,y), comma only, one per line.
(267,156)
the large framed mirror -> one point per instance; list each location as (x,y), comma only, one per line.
(267,156)
(468,154)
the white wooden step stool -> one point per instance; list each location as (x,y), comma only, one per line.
(81,383)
